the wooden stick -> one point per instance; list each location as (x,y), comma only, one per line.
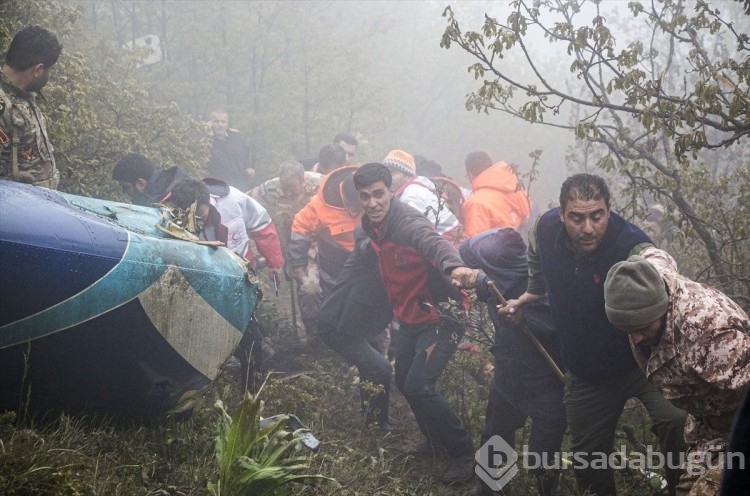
(301,333)
(529,334)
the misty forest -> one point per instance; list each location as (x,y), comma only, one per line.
(654,96)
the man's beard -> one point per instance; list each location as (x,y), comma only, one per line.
(36,87)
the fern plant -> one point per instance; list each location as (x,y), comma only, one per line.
(259,460)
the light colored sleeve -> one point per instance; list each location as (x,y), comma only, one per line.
(255,215)
(722,358)
(411,197)
(640,247)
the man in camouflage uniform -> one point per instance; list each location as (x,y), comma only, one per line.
(26,154)
(283,197)
(693,342)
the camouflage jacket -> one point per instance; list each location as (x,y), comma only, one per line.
(702,360)
(23,126)
(282,207)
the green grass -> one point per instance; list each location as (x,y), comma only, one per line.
(89,456)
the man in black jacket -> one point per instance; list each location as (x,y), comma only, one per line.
(350,321)
(230,155)
(140,180)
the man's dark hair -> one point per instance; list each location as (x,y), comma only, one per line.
(331,157)
(291,168)
(477,162)
(429,168)
(187,192)
(132,167)
(370,174)
(31,46)
(346,138)
(583,187)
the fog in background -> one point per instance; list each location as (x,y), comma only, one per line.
(294,74)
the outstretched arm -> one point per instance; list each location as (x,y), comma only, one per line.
(464,277)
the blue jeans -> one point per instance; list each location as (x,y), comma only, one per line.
(422,353)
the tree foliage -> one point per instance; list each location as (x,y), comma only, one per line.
(288,85)
(97,111)
(291,74)
(666,109)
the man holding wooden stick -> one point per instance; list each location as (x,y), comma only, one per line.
(525,381)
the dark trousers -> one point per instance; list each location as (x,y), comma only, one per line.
(503,419)
(250,354)
(422,353)
(372,366)
(593,410)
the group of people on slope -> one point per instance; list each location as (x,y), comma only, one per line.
(592,287)
(620,308)
(394,241)
(326,223)
(588,275)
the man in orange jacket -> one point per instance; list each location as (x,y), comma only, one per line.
(498,200)
(331,216)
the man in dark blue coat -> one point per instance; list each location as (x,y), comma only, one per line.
(524,384)
(570,251)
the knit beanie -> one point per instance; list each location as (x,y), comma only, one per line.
(634,293)
(401,161)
